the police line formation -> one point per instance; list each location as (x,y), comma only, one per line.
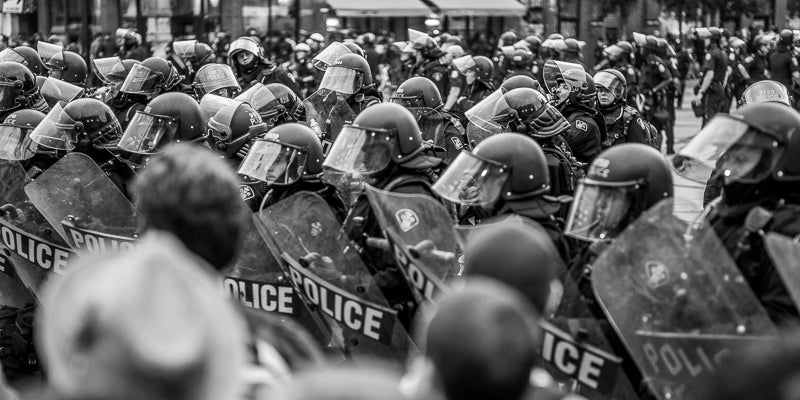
(365,210)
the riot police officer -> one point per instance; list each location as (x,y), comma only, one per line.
(505,174)
(575,96)
(654,84)
(755,152)
(783,65)
(86,126)
(421,97)
(711,93)
(755,64)
(477,72)
(19,89)
(432,62)
(624,124)
(247,58)
(297,167)
(384,148)
(169,117)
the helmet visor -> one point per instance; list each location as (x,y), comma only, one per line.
(766,91)
(55,90)
(558,73)
(184,48)
(109,69)
(244,44)
(211,104)
(52,55)
(464,64)
(342,80)
(490,113)
(361,151)
(143,80)
(259,97)
(15,143)
(9,93)
(611,83)
(56,131)
(273,163)
(600,212)
(146,132)
(214,76)
(9,54)
(472,181)
(732,147)
(328,55)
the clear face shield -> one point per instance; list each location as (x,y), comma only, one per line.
(732,148)
(360,151)
(15,143)
(600,211)
(147,132)
(342,80)
(472,181)
(274,163)
(57,131)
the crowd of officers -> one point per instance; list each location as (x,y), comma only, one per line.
(532,132)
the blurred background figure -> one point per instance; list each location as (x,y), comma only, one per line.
(166,333)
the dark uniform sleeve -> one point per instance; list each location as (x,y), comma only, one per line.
(583,138)
(284,78)
(708,62)
(456,79)
(638,132)
(439,78)
(454,142)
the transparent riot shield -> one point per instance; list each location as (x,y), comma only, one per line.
(483,118)
(332,278)
(677,300)
(326,113)
(257,280)
(29,243)
(84,206)
(785,255)
(420,233)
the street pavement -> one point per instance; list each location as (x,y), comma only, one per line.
(688,194)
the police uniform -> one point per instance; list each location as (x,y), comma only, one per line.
(756,67)
(656,71)
(473,94)
(630,127)
(714,99)
(437,73)
(748,250)
(631,78)
(584,136)
(782,64)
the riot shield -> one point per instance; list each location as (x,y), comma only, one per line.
(785,254)
(257,280)
(677,300)
(332,278)
(421,236)
(30,244)
(326,113)
(84,206)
